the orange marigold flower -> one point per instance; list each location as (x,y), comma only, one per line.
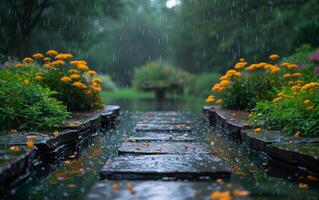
(217,195)
(39,78)
(30,144)
(83,67)
(297,74)
(96,89)
(38,56)
(219,101)
(99,81)
(225,77)
(66,79)
(92,73)
(240,65)
(15,148)
(129,186)
(27,60)
(242,60)
(47,66)
(224,83)
(26,82)
(241,193)
(257,130)
(46,59)
(210,99)
(73,71)
(79,85)
(310,107)
(274,57)
(75,76)
(19,65)
(287,75)
(277,99)
(52,52)
(307,101)
(310,85)
(303,186)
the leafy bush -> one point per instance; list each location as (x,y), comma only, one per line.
(198,85)
(242,89)
(159,75)
(107,83)
(76,85)
(28,106)
(295,110)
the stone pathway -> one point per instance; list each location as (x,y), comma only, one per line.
(161,152)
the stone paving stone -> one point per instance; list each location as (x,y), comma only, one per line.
(153,167)
(163,127)
(15,164)
(259,141)
(164,121)
(154,136)
(147,190)
(11,139)
(306,154)
(164,148)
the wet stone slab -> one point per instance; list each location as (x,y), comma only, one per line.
(305,154)
(164,121)
(153,136)
(15,163)
(259,141)
(153,167)
(22,138)
(178,190)
(163,127)
(164,148)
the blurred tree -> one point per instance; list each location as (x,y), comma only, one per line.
(29,24)
(213,33)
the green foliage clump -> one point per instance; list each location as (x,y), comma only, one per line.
(244,93)
(295,110)
(159,75)
(199,83)
(25,105)
(107,83)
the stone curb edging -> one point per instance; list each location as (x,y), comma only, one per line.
(274,144)
(80,126)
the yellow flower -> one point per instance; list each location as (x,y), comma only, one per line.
(240,65)
(297,74)
(96,88)
(295,87)
(88,92)
(47,65)
(38,56)
(26,82)
(99,81)
(307,101)
(92,73)
(225,77)
(210,99)
(63,56)
(19,65)
(79,85)
(73,71)
(75,76)
(224,83)
(258,130)
(217,88)
(242,60)
(274,57)
(46,59)
(83,67)
(274,69)
(310,107)
(217,195)
(277,99)
(39,78)
(27,60)
(30,144)
(65,79)
(287,75)
(219,101)
(15,148)
(310,85)
(52,52)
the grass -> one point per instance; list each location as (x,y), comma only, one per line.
(127,93)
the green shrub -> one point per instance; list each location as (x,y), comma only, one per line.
(199,83)
(25,105)
(295,110)
(75,84)
(244,93)
(107,83)
(159,75)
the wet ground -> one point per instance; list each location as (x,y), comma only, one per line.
(74,177)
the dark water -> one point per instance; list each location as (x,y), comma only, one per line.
(73,177)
